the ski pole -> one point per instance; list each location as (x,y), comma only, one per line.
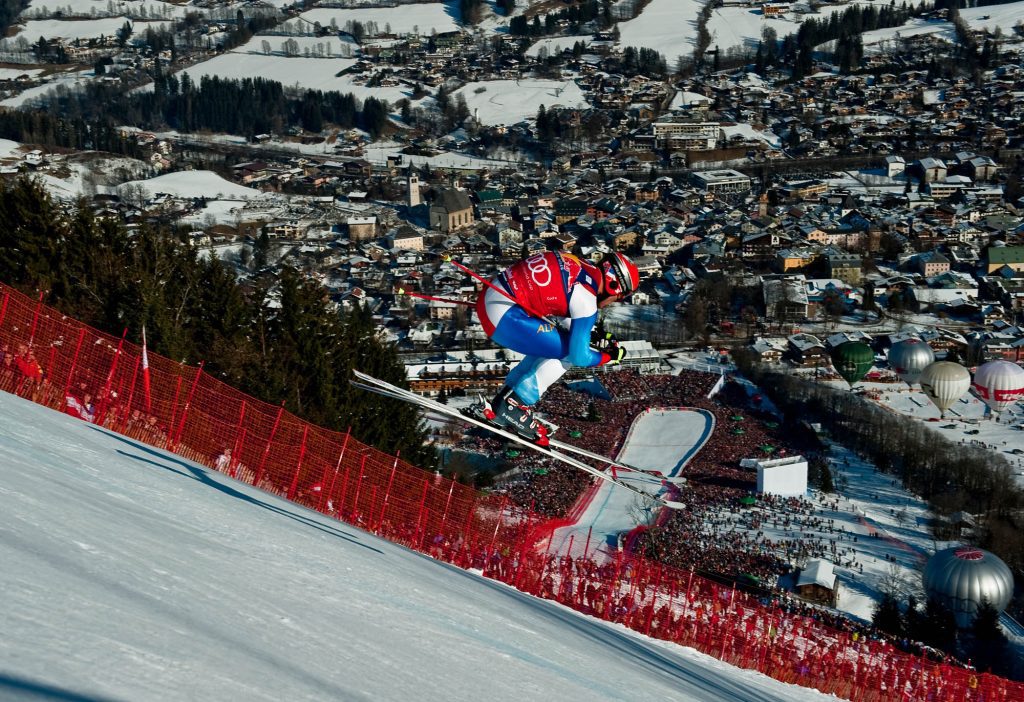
(421,296)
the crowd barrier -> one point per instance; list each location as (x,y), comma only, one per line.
(59,362)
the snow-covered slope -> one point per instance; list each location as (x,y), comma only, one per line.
(130,574)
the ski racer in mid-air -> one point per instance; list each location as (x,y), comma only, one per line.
(546,307)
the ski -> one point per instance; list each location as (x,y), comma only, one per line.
(570,448)
(554,443)
(371,384)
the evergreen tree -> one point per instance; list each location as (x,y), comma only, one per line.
(938,625)
(989,641)
(887,615)
(300,350)
(261,250)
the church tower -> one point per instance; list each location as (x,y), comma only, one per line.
(414,189)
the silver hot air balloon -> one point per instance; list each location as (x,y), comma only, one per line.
(909,358)
(963,577)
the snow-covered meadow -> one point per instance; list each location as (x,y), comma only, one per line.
(992,17)
(298,71)
(70,30)
(555,45)
(153,9)
(495,102)
(421,18)
(194,184)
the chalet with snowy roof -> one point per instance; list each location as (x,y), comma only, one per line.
(768,350)
(785,297)
(817,582)
(931,169)
(806,350)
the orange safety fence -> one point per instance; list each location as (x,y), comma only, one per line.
(59,362)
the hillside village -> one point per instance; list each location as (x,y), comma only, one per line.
(878,198)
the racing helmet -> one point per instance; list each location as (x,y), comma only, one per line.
(621,276)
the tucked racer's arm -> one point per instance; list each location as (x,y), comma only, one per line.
(583,316)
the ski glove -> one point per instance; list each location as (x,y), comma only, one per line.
(613,355)
(603,342)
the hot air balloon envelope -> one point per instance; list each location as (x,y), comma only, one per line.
(999,384)
(908,358)
(945,382)
(852,360)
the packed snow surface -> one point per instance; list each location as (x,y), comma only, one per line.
(662,440)
(131,574)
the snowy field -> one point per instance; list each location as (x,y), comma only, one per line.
(12,73)
(301,72)
(131,574)
(1003,17)
(555,45)
(378,153)
(11,149)
(195,184)
(512,101)
(79,29)
(667,26)
(103,8)
(670,27)
(423,19)
(317,46)
(70,81)
(663,440)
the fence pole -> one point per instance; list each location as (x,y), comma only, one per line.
(387,493)
(35,319)
(613,585)
(298,466)
(74,359)
(184,410)
(567,576)
(337,466)
(497,526)
(586,548)
(359,487)
(420,526)
(239,438)
(3,308)
(654,601)
(686,604)
(344,491)
(444,516)
(174,408)
(105,399)
(131,389)
(266,450)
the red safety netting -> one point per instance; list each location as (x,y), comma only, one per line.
(59,362)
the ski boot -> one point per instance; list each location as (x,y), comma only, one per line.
(507,411)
